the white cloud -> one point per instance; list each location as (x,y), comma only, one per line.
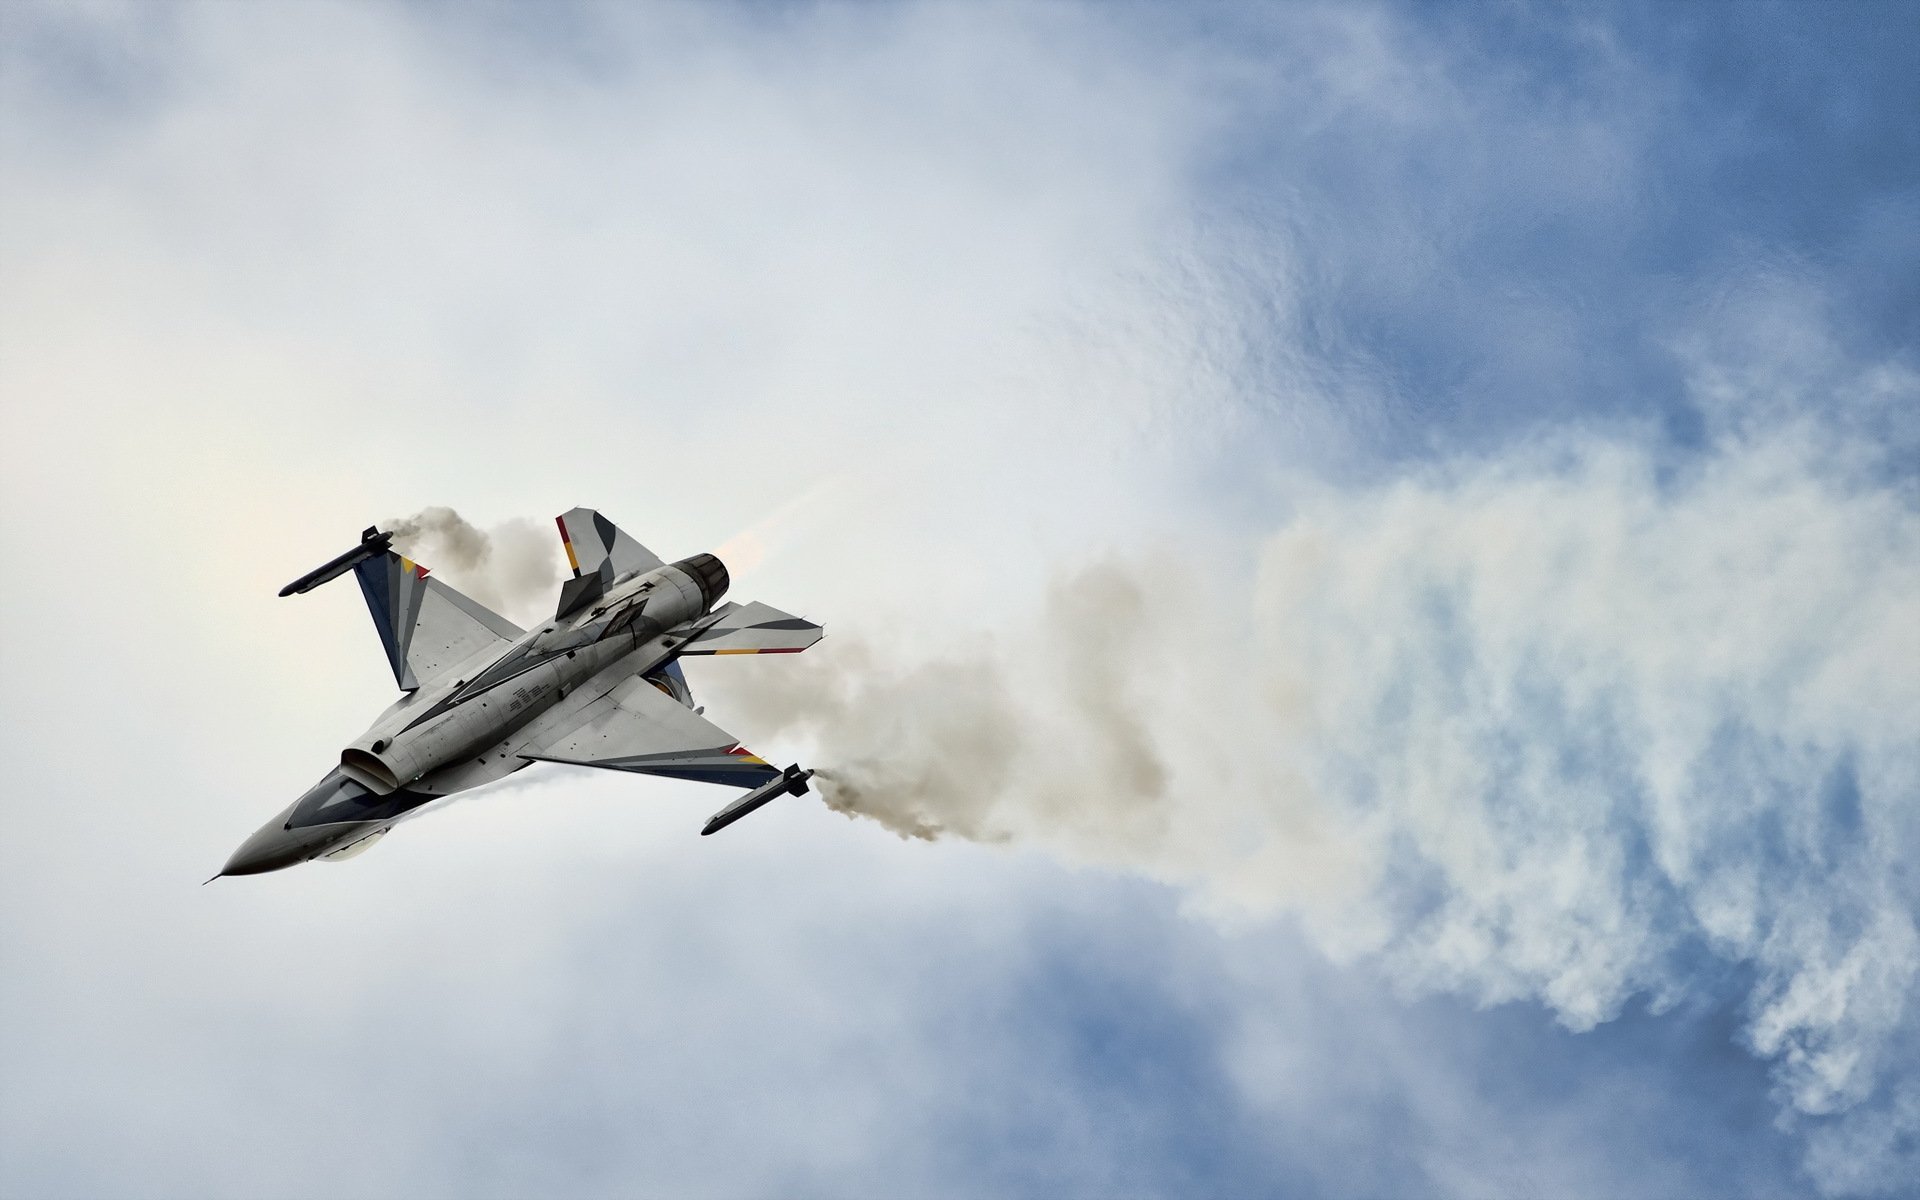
(1558,725)
(1534,725)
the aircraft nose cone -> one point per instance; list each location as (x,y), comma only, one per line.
(271,848)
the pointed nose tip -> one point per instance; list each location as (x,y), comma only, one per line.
(269,849)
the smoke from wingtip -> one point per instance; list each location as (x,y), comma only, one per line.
(512,568)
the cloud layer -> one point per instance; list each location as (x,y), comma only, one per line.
(1441,485)
(1564,725)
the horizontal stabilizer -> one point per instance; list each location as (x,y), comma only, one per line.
(754,629)
(640,727)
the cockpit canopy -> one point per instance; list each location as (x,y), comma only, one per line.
(338,799)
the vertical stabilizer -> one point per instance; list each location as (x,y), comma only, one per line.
(591,540)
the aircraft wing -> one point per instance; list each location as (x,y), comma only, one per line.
(637,727)
(754,628)
(425,626)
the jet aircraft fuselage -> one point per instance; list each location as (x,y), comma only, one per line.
(598,685)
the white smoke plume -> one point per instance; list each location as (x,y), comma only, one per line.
(1572,726)
(1586,723)
(512,568)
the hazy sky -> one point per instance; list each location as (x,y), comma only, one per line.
(1385,542)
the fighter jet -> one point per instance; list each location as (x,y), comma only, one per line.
(599,685)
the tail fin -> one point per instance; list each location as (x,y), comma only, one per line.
(592,540)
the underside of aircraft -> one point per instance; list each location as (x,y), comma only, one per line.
(597,685)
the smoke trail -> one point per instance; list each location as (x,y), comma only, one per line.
(1566,727)
(1572,726)
(512,568)
(973,746)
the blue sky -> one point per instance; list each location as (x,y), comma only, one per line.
(1596,174)
(1385,538)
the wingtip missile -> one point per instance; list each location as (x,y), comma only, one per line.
(793,780)
(372,542)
